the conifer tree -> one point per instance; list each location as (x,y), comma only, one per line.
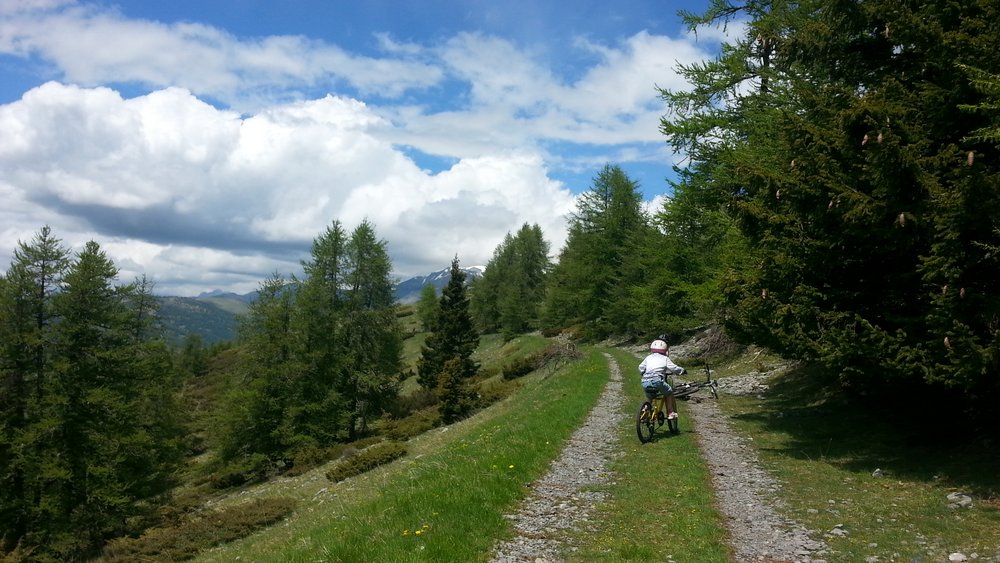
(454,335)
(26,334)
(509,295)
(99,430)
(833,133)
(590,285)
(427,306)
(373,341)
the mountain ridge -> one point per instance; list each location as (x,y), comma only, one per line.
(214,315)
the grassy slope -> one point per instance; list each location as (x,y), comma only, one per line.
(445,501)
(456,483)
(825,450)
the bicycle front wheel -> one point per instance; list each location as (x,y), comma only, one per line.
(673,426)
(645,424)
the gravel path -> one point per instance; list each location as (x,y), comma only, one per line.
(559,502)
(744,491)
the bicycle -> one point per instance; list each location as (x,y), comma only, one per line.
(650,414)
(685,390)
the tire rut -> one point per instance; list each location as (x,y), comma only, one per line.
(559,502)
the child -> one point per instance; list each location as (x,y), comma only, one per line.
(654,370)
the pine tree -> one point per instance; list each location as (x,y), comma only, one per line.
(427,306)
(509,295)
(454,335)
(590,285)
(833,134)
(99,430)
(374,342)
(26,335)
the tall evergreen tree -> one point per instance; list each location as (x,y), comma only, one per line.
(833,133)
(454,334)
(27,322)
(509,295)
(374,342)
(256,426)
(590,285)
(99,432)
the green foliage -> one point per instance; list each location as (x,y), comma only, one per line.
(453,391)
(454,335)
(866,194)
(203,531)
(89,431)
(520,367)
(322,355)
(590,284)
(411,425)
(427,306)
(366,460)
(508,296)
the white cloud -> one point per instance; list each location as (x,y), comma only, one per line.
(92,47)
(200,197)
(192,195)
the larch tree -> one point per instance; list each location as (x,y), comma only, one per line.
(832,132)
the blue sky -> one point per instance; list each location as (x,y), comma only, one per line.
(206,143)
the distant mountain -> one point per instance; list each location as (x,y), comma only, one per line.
(214,315)
(214,318)
(408,291)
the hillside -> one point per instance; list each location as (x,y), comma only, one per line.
(214,319)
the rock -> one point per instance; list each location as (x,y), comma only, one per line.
(959,500)
(877,473)
(957,557)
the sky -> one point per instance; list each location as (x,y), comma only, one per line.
(205,144)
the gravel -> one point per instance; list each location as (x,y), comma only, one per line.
(560,504)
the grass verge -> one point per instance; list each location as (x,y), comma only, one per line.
(661,507)
(826,452)
(446,500)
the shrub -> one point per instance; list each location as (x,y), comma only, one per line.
(205,530)
(493,392)
(520,367)
(366,460)
(250,469)
(413,425)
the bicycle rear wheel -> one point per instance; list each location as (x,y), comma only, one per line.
(673,426)
(645,424)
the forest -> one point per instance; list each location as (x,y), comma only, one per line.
(838,204)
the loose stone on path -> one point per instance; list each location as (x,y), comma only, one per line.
(559,502)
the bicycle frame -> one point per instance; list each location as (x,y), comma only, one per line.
(651,414)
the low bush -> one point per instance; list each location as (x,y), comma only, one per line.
(366,460)
(250,469)
(203,531)
(554,354)
(403,429)
(492,392)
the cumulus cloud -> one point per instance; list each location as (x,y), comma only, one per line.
(238,151)
(170,184)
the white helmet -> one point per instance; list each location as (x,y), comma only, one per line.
(658,346)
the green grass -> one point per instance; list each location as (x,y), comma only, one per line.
(825,450)
(661,505)
(446,500)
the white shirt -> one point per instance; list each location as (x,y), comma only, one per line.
(657,366)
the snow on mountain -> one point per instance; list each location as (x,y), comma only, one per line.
(408,291)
